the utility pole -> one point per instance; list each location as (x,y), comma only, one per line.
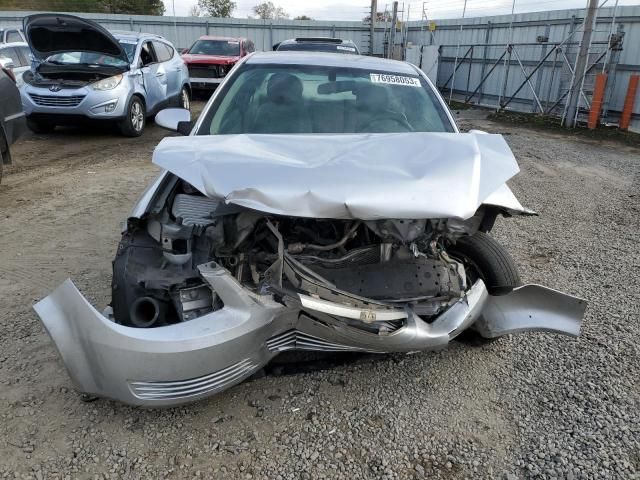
(581,65)
(392,33)
(372,27)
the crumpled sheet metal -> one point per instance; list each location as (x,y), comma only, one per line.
(363,176)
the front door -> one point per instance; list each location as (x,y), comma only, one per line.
(154,77)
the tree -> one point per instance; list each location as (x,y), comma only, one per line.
(217,8)
(380,17)
(194,11)
(303,17)
(135,7)
(268,11)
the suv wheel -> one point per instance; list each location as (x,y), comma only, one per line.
(132,125)
(39,126)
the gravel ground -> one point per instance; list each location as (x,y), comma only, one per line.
(526,406)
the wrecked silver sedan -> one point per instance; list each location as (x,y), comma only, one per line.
(320,203)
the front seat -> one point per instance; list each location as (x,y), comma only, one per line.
(284,111)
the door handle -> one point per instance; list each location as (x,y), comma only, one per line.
(160,74)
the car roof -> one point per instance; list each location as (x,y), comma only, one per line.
(214,37)
(330,60)
(331,40)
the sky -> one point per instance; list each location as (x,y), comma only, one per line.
(357,9)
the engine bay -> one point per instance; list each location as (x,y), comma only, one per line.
(385,263)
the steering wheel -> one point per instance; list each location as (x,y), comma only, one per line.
(394,117)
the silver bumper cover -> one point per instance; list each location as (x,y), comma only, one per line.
(183,362)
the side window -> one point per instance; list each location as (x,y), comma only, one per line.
(147,54)
(12,55)
(13,36)
(25,55)
(250,47)
(163,51)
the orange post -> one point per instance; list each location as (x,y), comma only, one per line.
(629,100)
(596,101)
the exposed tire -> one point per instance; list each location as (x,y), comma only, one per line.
(38,126)
(485,258)
(132,125)
(185,98)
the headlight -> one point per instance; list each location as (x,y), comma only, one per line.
(107,83)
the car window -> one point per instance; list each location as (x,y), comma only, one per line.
(129,47)
(163,51)
(13,36)
(11,54)
(319,99)
(25,55)
(250,47)
(225,48)
(147,54)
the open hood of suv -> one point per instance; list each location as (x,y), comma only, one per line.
(51,33)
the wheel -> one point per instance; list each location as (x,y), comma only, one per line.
(39,126)
(132,125)
(483,257)
(185,101)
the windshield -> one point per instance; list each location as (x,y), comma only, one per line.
(94,58)
(319,99)
(224,48)
(129,48)
(317,47)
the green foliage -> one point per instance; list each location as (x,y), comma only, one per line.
(217,8)
(269,11)
(137,7)
(303,17)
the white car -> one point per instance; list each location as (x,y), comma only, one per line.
(16,57)
(321,202)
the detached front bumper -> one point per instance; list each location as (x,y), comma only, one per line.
(184,362)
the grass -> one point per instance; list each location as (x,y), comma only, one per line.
(553,124)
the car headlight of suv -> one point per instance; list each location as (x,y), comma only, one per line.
(107,83)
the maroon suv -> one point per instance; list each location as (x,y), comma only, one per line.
(210,58)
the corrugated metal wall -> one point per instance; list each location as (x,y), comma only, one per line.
(525,28)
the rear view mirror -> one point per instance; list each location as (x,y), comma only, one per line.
(175,119)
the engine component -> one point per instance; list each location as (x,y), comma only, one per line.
(407,279)
(146,312)
(194,302)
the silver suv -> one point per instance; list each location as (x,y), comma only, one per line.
(81,71)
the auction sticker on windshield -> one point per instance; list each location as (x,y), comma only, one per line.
(394,79)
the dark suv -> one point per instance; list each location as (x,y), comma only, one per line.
(318,44)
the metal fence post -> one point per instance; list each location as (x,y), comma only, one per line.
(487,36)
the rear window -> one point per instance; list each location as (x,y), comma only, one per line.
(224,48)
(320,99)
(317,47)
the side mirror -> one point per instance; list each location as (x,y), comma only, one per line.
(175,119)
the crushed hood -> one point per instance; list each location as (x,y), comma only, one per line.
(52,33)
(364,176)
